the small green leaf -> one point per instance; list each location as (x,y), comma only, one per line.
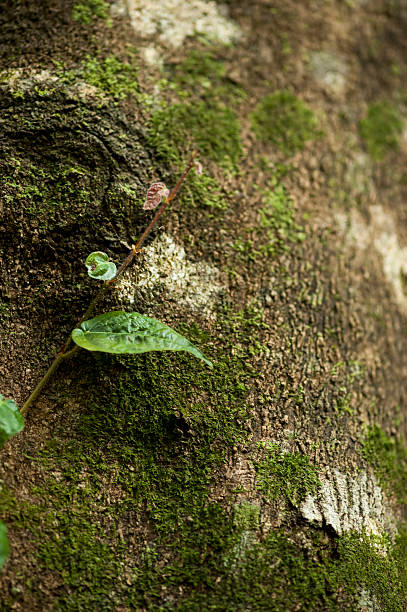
(11,421)
(130,332)
(4,545)
(100,267)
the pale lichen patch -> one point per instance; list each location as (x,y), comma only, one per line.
(349,503)
(367,602)
(394,256)
(152,57)
(174,20)
(19,80)
(165,266)
(329,69)
(380,234)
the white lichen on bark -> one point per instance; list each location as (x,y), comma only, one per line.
(172,21)
(381,235)
(329,69)
(350,503)
(194,285)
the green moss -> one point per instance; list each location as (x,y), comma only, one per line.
(214,559)
(285,475)
(203,118)
(277,216)
(381,129)
(110,76)
(47,191)
(342,404)
(213,129)
(142,449)
(312,575)
(86,11)
(276,230)
(203,75)
(203,190)
(246,516)
(285,121)
(72,537)
(83,555)
(200,70)
(375,564)
(388,456)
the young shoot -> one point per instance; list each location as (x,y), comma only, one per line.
(100,267)
(115,332)
(134,334)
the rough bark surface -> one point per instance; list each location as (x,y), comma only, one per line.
(278,480)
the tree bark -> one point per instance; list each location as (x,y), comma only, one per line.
(278,480)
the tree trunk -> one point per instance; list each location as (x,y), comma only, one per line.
(277,480)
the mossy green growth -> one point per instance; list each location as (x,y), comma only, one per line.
(388,457)
(217,556)
(381,129)
(276,224)
(203,118)
(246,516)
(277,216)
(142,450)
(199,70)
(284,120)
(372,566)
(136,458)
(73,536)
(86,11)
(204,191)
(309,579)
(285,475)
(240,572)
(111,76)
(214,129)
(48,191)
(202,74)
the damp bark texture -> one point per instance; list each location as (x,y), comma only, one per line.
(277,480)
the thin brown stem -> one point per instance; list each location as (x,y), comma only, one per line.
(136,248)
(53,367)
(63,354)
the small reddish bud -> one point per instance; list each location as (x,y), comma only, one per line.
(155,194)
(198,167)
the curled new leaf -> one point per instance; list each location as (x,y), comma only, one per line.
(130,332)
(100,267)
(156,192)
(11,420)
(4,545)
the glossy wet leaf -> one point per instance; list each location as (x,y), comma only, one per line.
(11,420)
(130,332)
(4,545)
(100,267)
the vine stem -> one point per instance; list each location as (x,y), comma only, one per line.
(52,368)
(135,249)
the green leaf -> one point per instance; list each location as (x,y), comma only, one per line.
(100,267)
(11,421)
(4,545)
(130,332)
